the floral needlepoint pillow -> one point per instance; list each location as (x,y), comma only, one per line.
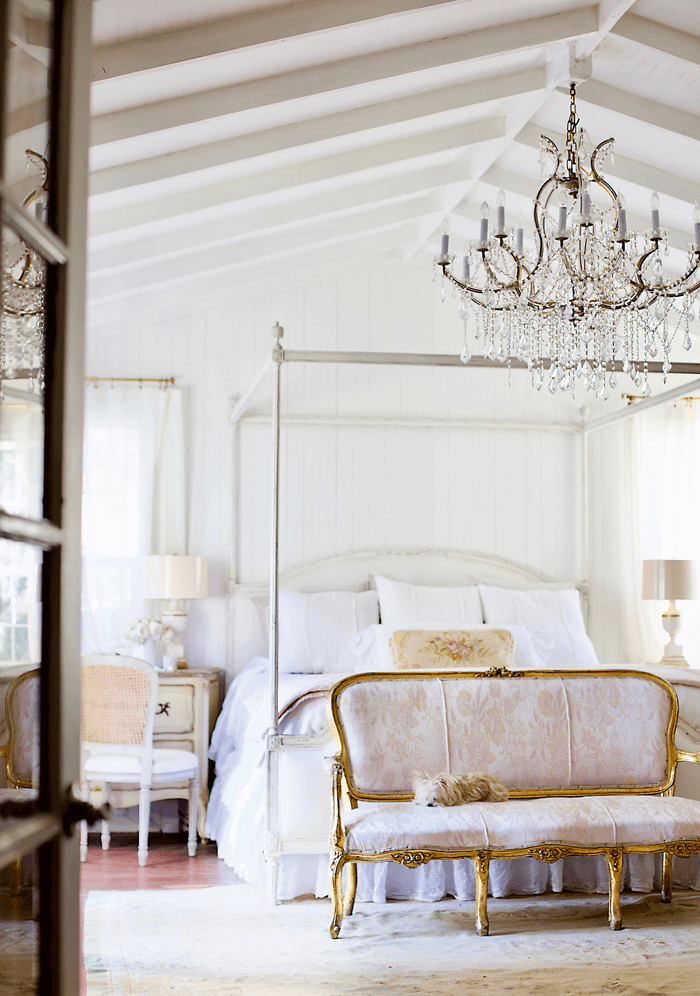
(455,648)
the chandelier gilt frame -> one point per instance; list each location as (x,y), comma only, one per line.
(590,294)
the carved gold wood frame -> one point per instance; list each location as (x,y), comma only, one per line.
(11,777)
(412,857)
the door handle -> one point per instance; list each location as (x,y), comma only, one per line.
(75,810)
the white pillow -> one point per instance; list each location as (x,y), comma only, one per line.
(369,651)
(559,612)
(315,628)
(403,606)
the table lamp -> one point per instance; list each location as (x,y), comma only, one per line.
(176,578)
(671,579)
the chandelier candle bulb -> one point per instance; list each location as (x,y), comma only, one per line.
(562,215)
(655,226)
(586,206)
(696,223)
(621,217)
(501,213)
(484,225)
(466,270)
(444,241)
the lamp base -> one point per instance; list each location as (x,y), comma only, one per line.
(673,652)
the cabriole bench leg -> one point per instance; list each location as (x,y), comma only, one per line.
(337,889)
(666,877)
(351,887)
(481,871)
(614,861)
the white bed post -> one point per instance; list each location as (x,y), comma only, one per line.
(272,850)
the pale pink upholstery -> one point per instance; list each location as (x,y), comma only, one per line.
(22,750)
(591,821)
(545,733)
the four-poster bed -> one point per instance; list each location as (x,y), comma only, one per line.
(285,734)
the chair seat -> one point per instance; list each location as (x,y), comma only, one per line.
(167,763)
(592,821)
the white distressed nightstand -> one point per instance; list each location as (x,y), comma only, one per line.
(189,702)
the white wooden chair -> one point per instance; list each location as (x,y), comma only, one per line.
(119,698)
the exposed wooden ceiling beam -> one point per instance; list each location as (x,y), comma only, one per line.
(641,174)
(264,249)
(111,251)
(654,35)
(640,108)
(317,129)
(497,40)
(339,165)
(207,38)
(211,286)
(610,11)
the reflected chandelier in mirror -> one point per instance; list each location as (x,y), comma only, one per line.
(22,330)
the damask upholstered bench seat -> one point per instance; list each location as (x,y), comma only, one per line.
(589,759)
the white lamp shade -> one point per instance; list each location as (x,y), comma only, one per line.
(670,579)
(175,577)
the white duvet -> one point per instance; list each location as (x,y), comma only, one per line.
(236,812)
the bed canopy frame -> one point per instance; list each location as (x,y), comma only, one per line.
(348,566)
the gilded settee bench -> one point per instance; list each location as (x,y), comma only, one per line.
(589,759)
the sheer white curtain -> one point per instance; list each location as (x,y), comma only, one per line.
(133,501)
(619,625)
(669,486)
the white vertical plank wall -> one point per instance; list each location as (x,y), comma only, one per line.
(511,493)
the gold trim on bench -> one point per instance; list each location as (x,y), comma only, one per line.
(414,856)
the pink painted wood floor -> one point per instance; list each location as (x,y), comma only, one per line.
(169,867)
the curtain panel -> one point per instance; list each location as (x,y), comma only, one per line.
(133,502)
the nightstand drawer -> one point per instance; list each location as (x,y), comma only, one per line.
(175,709)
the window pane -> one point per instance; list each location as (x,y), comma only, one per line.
(28,112)
(21,371)
(20,613)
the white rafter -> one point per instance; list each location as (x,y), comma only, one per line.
(294,85)
(661,38)
(340,165)
(257,248)
(300,133)
(379,246)
(131,247)
(199,41)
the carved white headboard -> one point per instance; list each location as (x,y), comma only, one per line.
(354,572)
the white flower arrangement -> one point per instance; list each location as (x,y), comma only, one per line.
(149,629)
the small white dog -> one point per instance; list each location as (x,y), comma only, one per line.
(454,790)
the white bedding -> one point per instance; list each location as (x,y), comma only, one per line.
(236,811)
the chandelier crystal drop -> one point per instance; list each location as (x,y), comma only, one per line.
(591,293)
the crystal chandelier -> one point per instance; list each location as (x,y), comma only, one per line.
(23,300)
(590,293)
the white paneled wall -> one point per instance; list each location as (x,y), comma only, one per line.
(511,493)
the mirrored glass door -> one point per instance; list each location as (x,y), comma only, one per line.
(44,67)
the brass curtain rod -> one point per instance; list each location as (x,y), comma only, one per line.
(130,380)
(631,398)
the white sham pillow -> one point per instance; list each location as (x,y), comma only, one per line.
(404,606)
(557,611)
(314,629)
(369,651)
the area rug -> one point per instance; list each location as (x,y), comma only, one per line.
(226,941)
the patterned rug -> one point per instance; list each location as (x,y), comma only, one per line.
(225,941)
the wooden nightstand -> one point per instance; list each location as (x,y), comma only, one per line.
(189,702)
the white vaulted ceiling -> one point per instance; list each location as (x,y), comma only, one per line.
(235,139)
